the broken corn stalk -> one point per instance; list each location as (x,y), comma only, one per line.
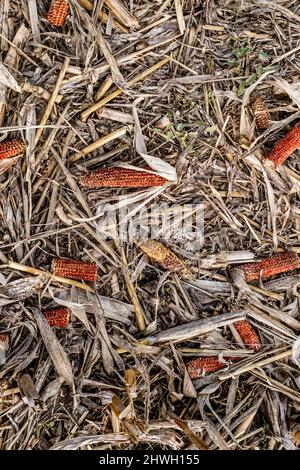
(166,258)
(268,267)
(261,113)
(57,317)
(58,12)
(284,148)
(117,177)
(4,341)
(248,335)
(11,148)
(73,269)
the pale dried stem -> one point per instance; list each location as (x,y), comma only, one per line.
(118,92)
(52,100)
(120,12)
(139,314)
(255,365)
(105,86)
(88,6)
(99,143)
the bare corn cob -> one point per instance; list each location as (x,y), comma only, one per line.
(11,148)
(248,335)
(261,113)
(4,341)
(268,267)
(57,317)
(284,148)
(164,257)
(73,269)
(117,177)
(196,367)
(58,12)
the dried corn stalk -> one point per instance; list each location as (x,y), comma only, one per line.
(166,258)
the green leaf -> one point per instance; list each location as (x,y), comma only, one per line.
(250,80)
(263,55)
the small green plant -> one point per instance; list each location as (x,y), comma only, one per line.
(239,52)
(252,78)
(175,132)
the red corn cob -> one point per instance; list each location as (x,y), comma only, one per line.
(196,367)
(261,113)
(248,335)
(285,147)
(11,148)
(117,177)
(58,12)
(73,269)
(276,264)
(57,317)
(4,341)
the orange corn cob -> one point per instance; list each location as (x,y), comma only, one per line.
(57,317)
(261,113)
(248,334)
(268,267)
(196,367)
(285,147)
(164,257)
(73,269)
(58,12)
(4,341)
(11,148)
(117,177)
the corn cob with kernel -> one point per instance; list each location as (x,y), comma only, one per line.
(261,113)
(165,258)
(73,269)
(4,341)
(58,12)
(11,148)
(57,317)
(117,177)
(248,335)
(196,367)
(284,148)
(268,267)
